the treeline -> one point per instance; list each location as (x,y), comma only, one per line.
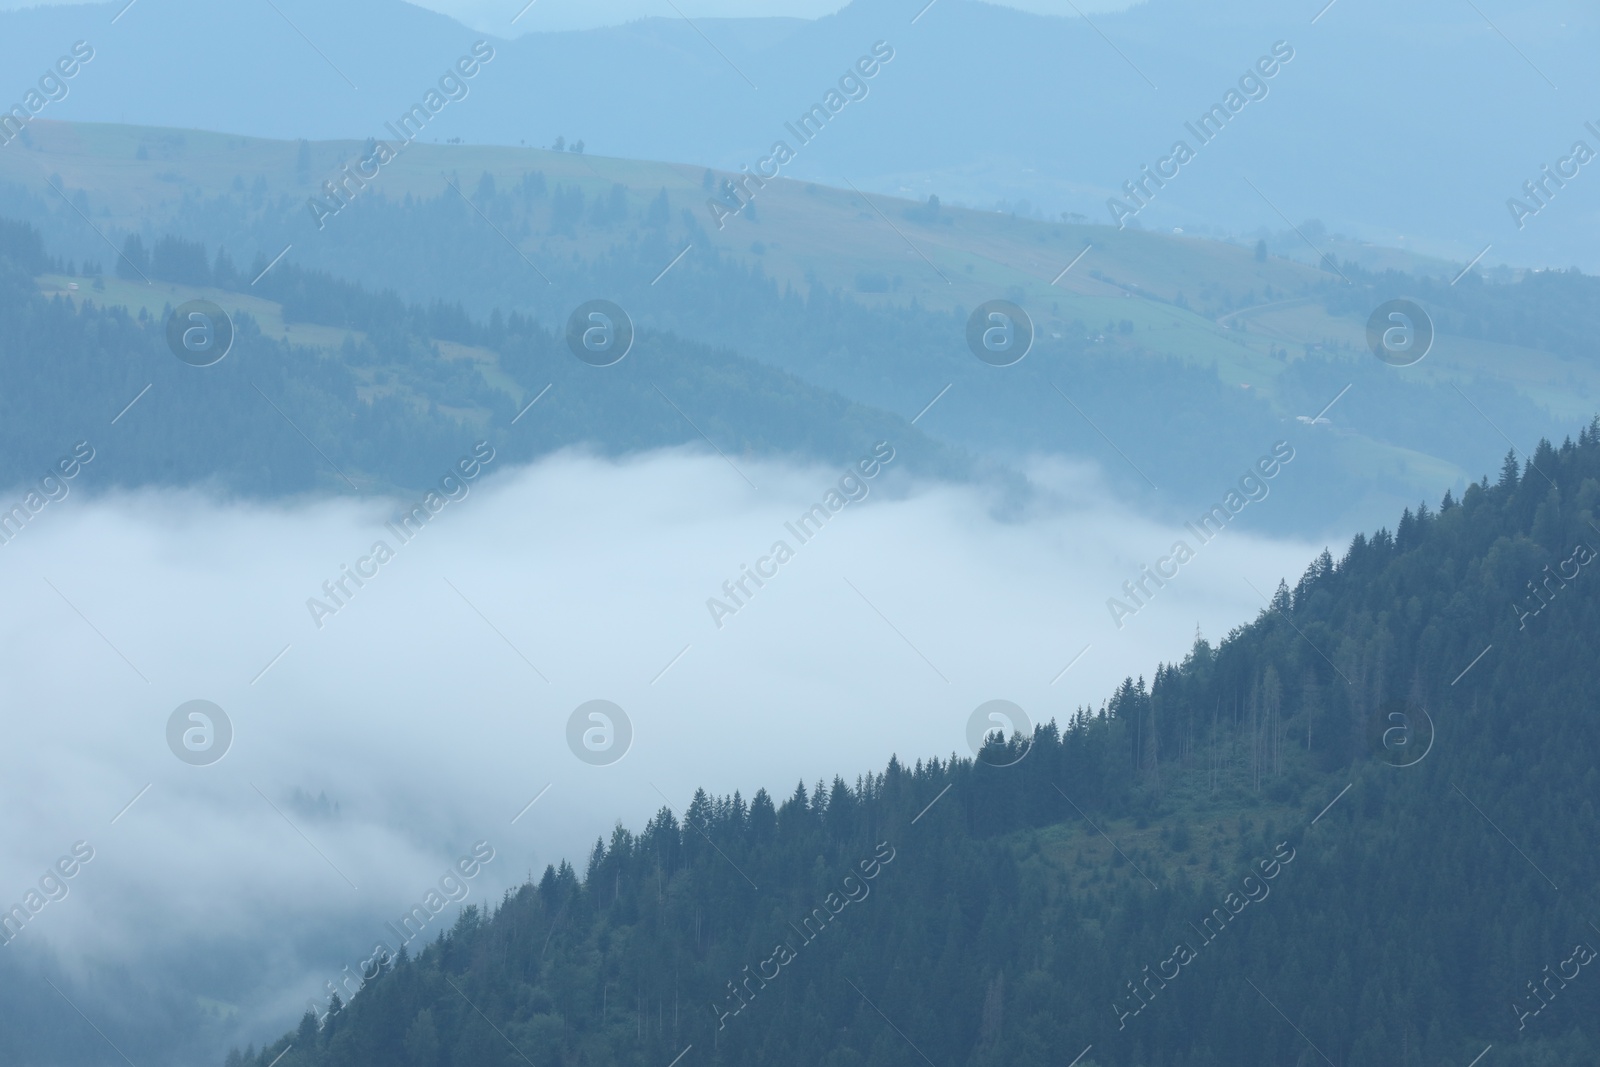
(389,407)
(1554,310)
(1414,900)
(1181,424)
(1174,419)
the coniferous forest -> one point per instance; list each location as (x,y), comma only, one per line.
(1198,668)
(1357,830)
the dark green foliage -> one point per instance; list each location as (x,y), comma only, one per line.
(22,249)
(1412,906)
(134,262)
(180,261)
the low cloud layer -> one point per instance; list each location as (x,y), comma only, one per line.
(434,705)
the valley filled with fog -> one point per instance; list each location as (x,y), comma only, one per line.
(432,707)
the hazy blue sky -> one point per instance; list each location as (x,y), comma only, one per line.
(496,15)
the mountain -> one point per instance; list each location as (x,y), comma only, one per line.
(1395,160)
(327,387)
(1171,360)
(280,283)
(1331,836)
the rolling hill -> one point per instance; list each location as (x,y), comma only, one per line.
(1053,111)
(1171,359)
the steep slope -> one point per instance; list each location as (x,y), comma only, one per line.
(1363,820)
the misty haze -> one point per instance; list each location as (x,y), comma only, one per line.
(693,533)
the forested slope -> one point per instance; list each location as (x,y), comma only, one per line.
(1358,830)
(1187,353)
(380,394)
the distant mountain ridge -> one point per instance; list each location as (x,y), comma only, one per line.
(1166,358)
(983,104)
(409,389)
